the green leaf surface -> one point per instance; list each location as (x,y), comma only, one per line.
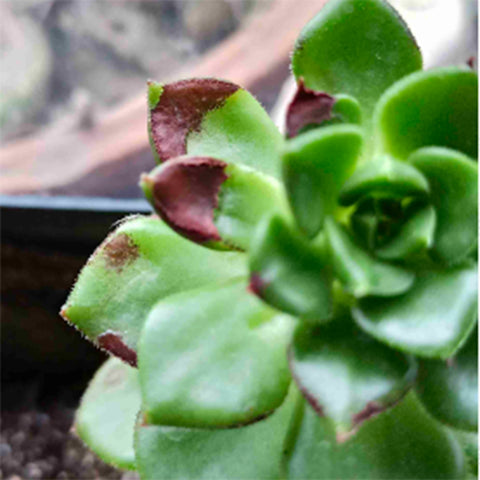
(346,109)
(290,273)
(215,357)
(384,177)
(431,320)
(415,236)
(240,132)
(141,262)
(449,389)
(401,443)
(453,179)
(315,166)
(360,273)
(106,418)
(345,374)
(355,47)
(436,107)
(244,199)
(247,453)
(469,444)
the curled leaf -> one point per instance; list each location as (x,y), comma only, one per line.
(346,375)
(431,320)
(384,177)
(289,273)
(359,272)
(435,107)
(315,166)
(453,180)
(415,236)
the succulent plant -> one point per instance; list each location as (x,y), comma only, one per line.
(300,306)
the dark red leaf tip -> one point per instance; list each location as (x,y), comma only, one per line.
(308,107)
(370,410)
(63,313)
(306,394)
(257,285)
(181,109)
(185,194)
(112,342)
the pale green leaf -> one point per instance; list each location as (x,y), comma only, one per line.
(214,357)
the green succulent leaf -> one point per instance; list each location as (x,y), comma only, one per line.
(346,109)
(211,202)
(213,358)
(355,47)
(251,452)
(141,262)
(359,272)
(365,222)
(415,236)
(384,177)
(435,107)
(469,444)
(315,166)
(244,199)
(240,132)
(400,443)
(449,389)
(345,374)
(431,320)
(206,117)
(453,179)
(290,273)
(106,418)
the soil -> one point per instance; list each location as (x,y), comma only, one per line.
(36,439)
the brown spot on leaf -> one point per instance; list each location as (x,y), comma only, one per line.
(185,194)
(113,343)
(308,107)
(119,250)
(181,109)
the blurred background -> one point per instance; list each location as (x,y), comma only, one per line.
(73,143)
(73,73)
